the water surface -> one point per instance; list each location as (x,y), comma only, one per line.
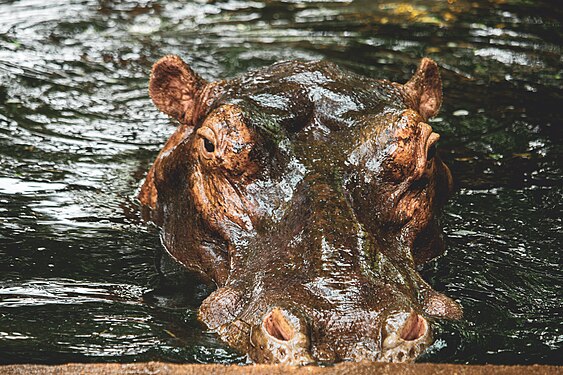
(78,280)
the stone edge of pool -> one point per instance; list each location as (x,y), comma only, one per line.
(341,368)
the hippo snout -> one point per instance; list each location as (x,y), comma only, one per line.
(286,338)
(292,338)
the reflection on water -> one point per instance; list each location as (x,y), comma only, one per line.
(77,133)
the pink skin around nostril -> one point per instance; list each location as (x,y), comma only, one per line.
(414,328)
(284,338)
(277,326)
(406,336)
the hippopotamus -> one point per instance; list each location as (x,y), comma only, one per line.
(309,195)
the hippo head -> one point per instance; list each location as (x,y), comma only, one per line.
(308,194)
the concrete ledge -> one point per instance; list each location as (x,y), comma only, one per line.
(342,368)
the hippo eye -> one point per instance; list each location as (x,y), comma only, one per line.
(208,145)
(208,140)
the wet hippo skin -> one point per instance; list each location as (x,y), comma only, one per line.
(308,194)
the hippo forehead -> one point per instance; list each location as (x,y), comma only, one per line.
(287,97)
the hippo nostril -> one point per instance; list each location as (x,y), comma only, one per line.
(414,328)
(277,326)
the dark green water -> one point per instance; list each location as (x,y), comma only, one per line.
(77,133)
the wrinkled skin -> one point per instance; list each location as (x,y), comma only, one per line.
(308,195)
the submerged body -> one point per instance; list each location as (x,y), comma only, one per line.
(308,194)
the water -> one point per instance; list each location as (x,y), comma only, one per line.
(78,280)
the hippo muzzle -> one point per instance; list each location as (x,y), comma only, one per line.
(308,195)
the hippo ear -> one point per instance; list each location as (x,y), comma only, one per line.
(425,88)
(173,88)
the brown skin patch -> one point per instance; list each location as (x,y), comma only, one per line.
(223,305)
(440,306)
